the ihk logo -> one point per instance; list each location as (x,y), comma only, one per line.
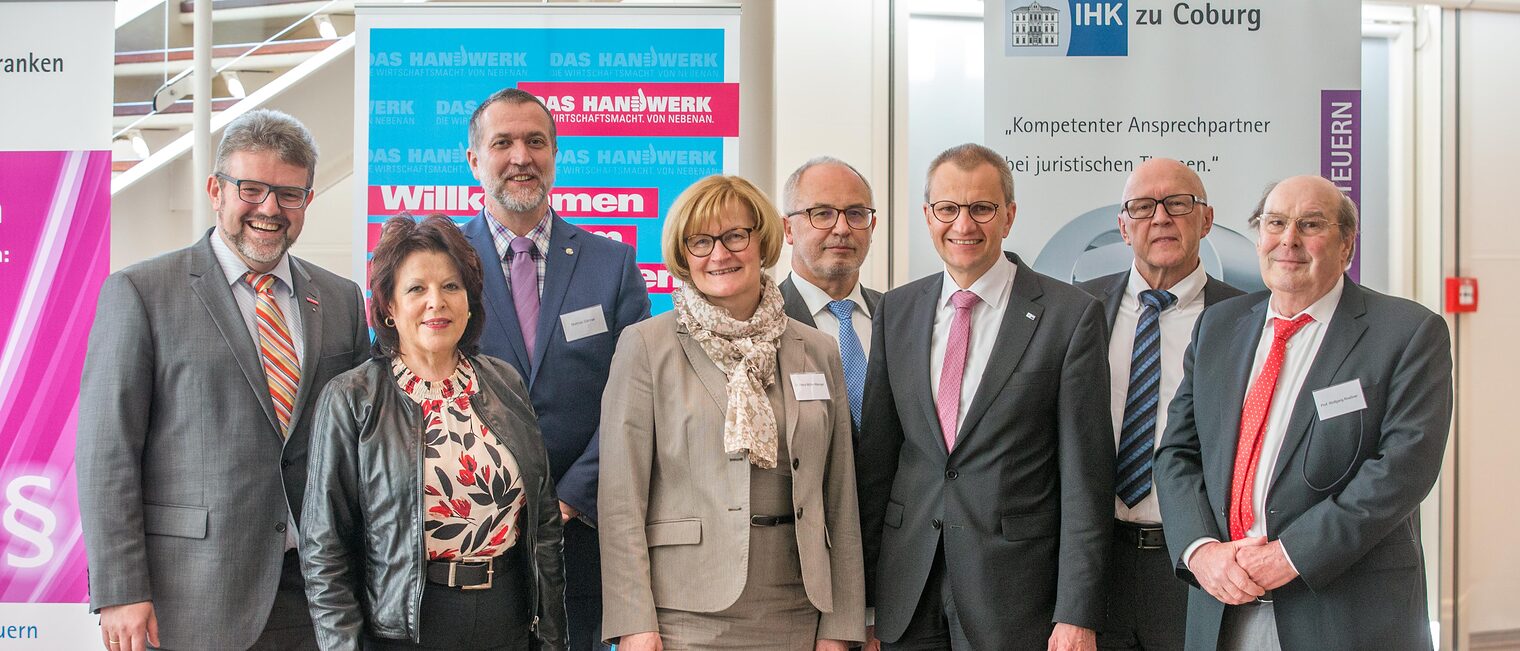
(1073,28)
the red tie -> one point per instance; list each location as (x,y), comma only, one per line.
(1253,421)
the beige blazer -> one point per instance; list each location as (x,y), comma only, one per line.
(675,507)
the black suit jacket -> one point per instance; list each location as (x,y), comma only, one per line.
(1024,503)
(1346,491)
(798,309)
(1110,290)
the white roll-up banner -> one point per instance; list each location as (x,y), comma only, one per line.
(1244,92)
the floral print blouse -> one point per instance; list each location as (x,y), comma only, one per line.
(471,485)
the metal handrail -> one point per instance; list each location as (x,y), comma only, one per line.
(175,87)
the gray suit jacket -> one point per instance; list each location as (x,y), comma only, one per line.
(675,506)
(1347,490)
(798,309)
(1024,503)
(184,481)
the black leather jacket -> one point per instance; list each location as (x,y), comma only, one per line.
(362,548)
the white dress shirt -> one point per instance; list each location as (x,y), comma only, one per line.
(1176,331)
(993,288)
(817,302)
(1298,357)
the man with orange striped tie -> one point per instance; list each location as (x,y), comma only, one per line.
(203,370)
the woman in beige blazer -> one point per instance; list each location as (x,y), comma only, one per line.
(727,495)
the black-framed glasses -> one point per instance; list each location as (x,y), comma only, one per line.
(1175,205)
(824,217)
(289,197)
(948,211)
(1275,224)
(734,239)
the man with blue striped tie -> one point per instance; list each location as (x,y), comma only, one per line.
(1151,311)
(829,224)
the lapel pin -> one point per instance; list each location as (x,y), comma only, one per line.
(1029,315)
(569,251)
(312,300)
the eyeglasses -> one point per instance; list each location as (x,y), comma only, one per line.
(734,239)
(824,217)
(948,211)
(1176,205)
(255,192)
(1275,224)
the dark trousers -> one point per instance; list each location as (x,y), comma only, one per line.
(583,587)
(494,619)
(289,625)
(1147,603)
(936,623)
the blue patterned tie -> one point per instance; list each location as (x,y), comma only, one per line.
(1137,435)
(853,355)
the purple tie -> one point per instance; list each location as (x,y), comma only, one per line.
(949,401)
(525,291)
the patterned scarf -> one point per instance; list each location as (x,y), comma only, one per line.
(746,352)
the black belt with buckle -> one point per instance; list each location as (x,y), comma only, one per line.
(1139,536)
(771,520)
(465,575)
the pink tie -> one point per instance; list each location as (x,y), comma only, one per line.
(525,292)
(949,401)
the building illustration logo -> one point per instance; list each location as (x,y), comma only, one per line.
(1034,25)
(1065,28)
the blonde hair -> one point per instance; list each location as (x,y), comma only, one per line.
(703,203)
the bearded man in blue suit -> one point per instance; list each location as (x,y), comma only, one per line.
(556,301)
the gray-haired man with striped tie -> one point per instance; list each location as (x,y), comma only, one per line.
(1151,311)
(195,406)
(829,223)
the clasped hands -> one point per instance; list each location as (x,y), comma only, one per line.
(1239,571)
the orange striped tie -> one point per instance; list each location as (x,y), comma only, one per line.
(281,367)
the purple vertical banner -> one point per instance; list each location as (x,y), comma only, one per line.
(55,217)
(1340,150)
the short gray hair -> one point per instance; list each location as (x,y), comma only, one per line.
(272,131)
(1346,215)
(789,191)
(511,96)
(967,157)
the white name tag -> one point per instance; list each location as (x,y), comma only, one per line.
(583,323)
(810,386)
(1342,398)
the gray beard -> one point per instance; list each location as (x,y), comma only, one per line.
(521,204)
(249,251)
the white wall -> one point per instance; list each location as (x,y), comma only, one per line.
(1488,448)
(831,96)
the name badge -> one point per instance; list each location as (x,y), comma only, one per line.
(810,386)
(583,323)
(1342,398)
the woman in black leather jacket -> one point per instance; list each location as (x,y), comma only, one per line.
(430,520)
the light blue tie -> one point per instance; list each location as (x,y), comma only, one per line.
(853,355)
(1137,434)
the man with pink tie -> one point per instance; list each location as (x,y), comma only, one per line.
(985,463)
